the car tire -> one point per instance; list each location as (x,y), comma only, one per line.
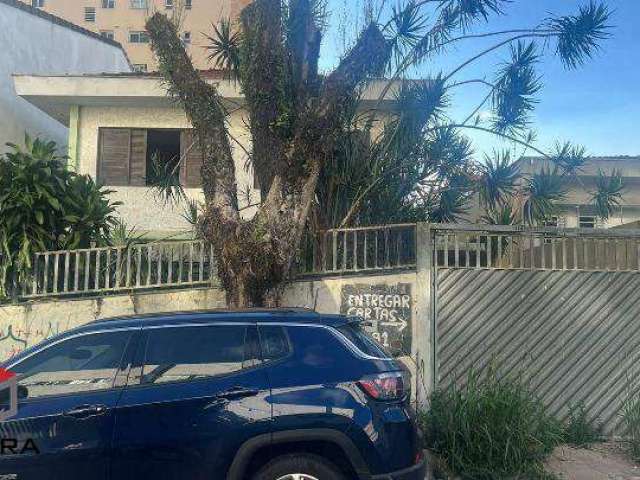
(299,467)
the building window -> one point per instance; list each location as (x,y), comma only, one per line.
(89,14)
(140,67)
(142,157)
(108,3)
(186,38)
(163,155)
(108,34)
(138,4)
(138,37)
(587,222)
(37,3)
(168,3)
(187,4)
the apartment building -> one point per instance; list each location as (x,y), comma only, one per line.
(124,20)
(38,43)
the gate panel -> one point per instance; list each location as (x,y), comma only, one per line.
(572,333)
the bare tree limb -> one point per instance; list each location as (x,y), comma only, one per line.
(203,107)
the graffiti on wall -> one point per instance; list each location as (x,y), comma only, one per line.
(387,311)
(15,339)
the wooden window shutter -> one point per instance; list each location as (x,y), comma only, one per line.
(191,160)
(113,164)
(138,162)
(123,157)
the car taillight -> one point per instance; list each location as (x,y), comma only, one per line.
(384,386)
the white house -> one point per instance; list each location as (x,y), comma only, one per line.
(38,43)
(120,124)
(577,209)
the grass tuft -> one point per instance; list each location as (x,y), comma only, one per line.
(580,431)
(490,429)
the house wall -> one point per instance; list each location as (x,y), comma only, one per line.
(36,45)
(578,200)
(141,207)
(122,19)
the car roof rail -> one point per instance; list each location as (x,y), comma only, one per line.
(214,311)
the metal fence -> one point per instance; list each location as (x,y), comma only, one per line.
(558,308)
(113,269)
(363,249)
(505,247)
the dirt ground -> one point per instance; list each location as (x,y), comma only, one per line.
(600,462)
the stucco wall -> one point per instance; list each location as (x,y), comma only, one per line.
(30,44)
(140,206)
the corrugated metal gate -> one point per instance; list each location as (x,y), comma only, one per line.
(559,308)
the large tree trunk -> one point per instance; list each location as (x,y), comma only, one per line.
(293,119)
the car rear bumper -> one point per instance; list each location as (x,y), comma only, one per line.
(417,472)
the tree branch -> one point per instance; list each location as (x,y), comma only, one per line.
(264,78)
(493,132)
(203,107)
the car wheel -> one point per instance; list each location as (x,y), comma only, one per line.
(299,467)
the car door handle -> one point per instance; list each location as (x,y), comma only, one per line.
(236,393)
(85,411)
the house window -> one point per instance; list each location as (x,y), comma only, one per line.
(168,3)
(138,37)
(140,67)
(138,4)
(37,3)
(186,38)
(587,222)
(163,155)
(187,4)
(108,3)
(107,34)
(141,157)
(89,14)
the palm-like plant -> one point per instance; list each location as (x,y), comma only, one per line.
(608,194)
(223,47)
(498,180)
(543,190)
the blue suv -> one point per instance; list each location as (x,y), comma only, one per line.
(258,394)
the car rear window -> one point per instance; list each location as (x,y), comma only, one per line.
(357,335)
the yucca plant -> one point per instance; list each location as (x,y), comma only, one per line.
(318,150)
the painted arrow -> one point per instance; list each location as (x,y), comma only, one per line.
(399,324)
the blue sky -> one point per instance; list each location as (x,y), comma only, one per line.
(596,106)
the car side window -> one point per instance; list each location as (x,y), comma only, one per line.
(275,342)
(80,364)
(180,354)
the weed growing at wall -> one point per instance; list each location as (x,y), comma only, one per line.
(631,423)
(490,428)
(580,430)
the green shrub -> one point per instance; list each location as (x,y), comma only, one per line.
(490,428)
(45,206)
(579,430)
(631,424)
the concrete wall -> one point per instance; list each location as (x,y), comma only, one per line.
(36,45)
(139,201)
(393,305)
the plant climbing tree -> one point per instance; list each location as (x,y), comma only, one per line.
(299,118)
